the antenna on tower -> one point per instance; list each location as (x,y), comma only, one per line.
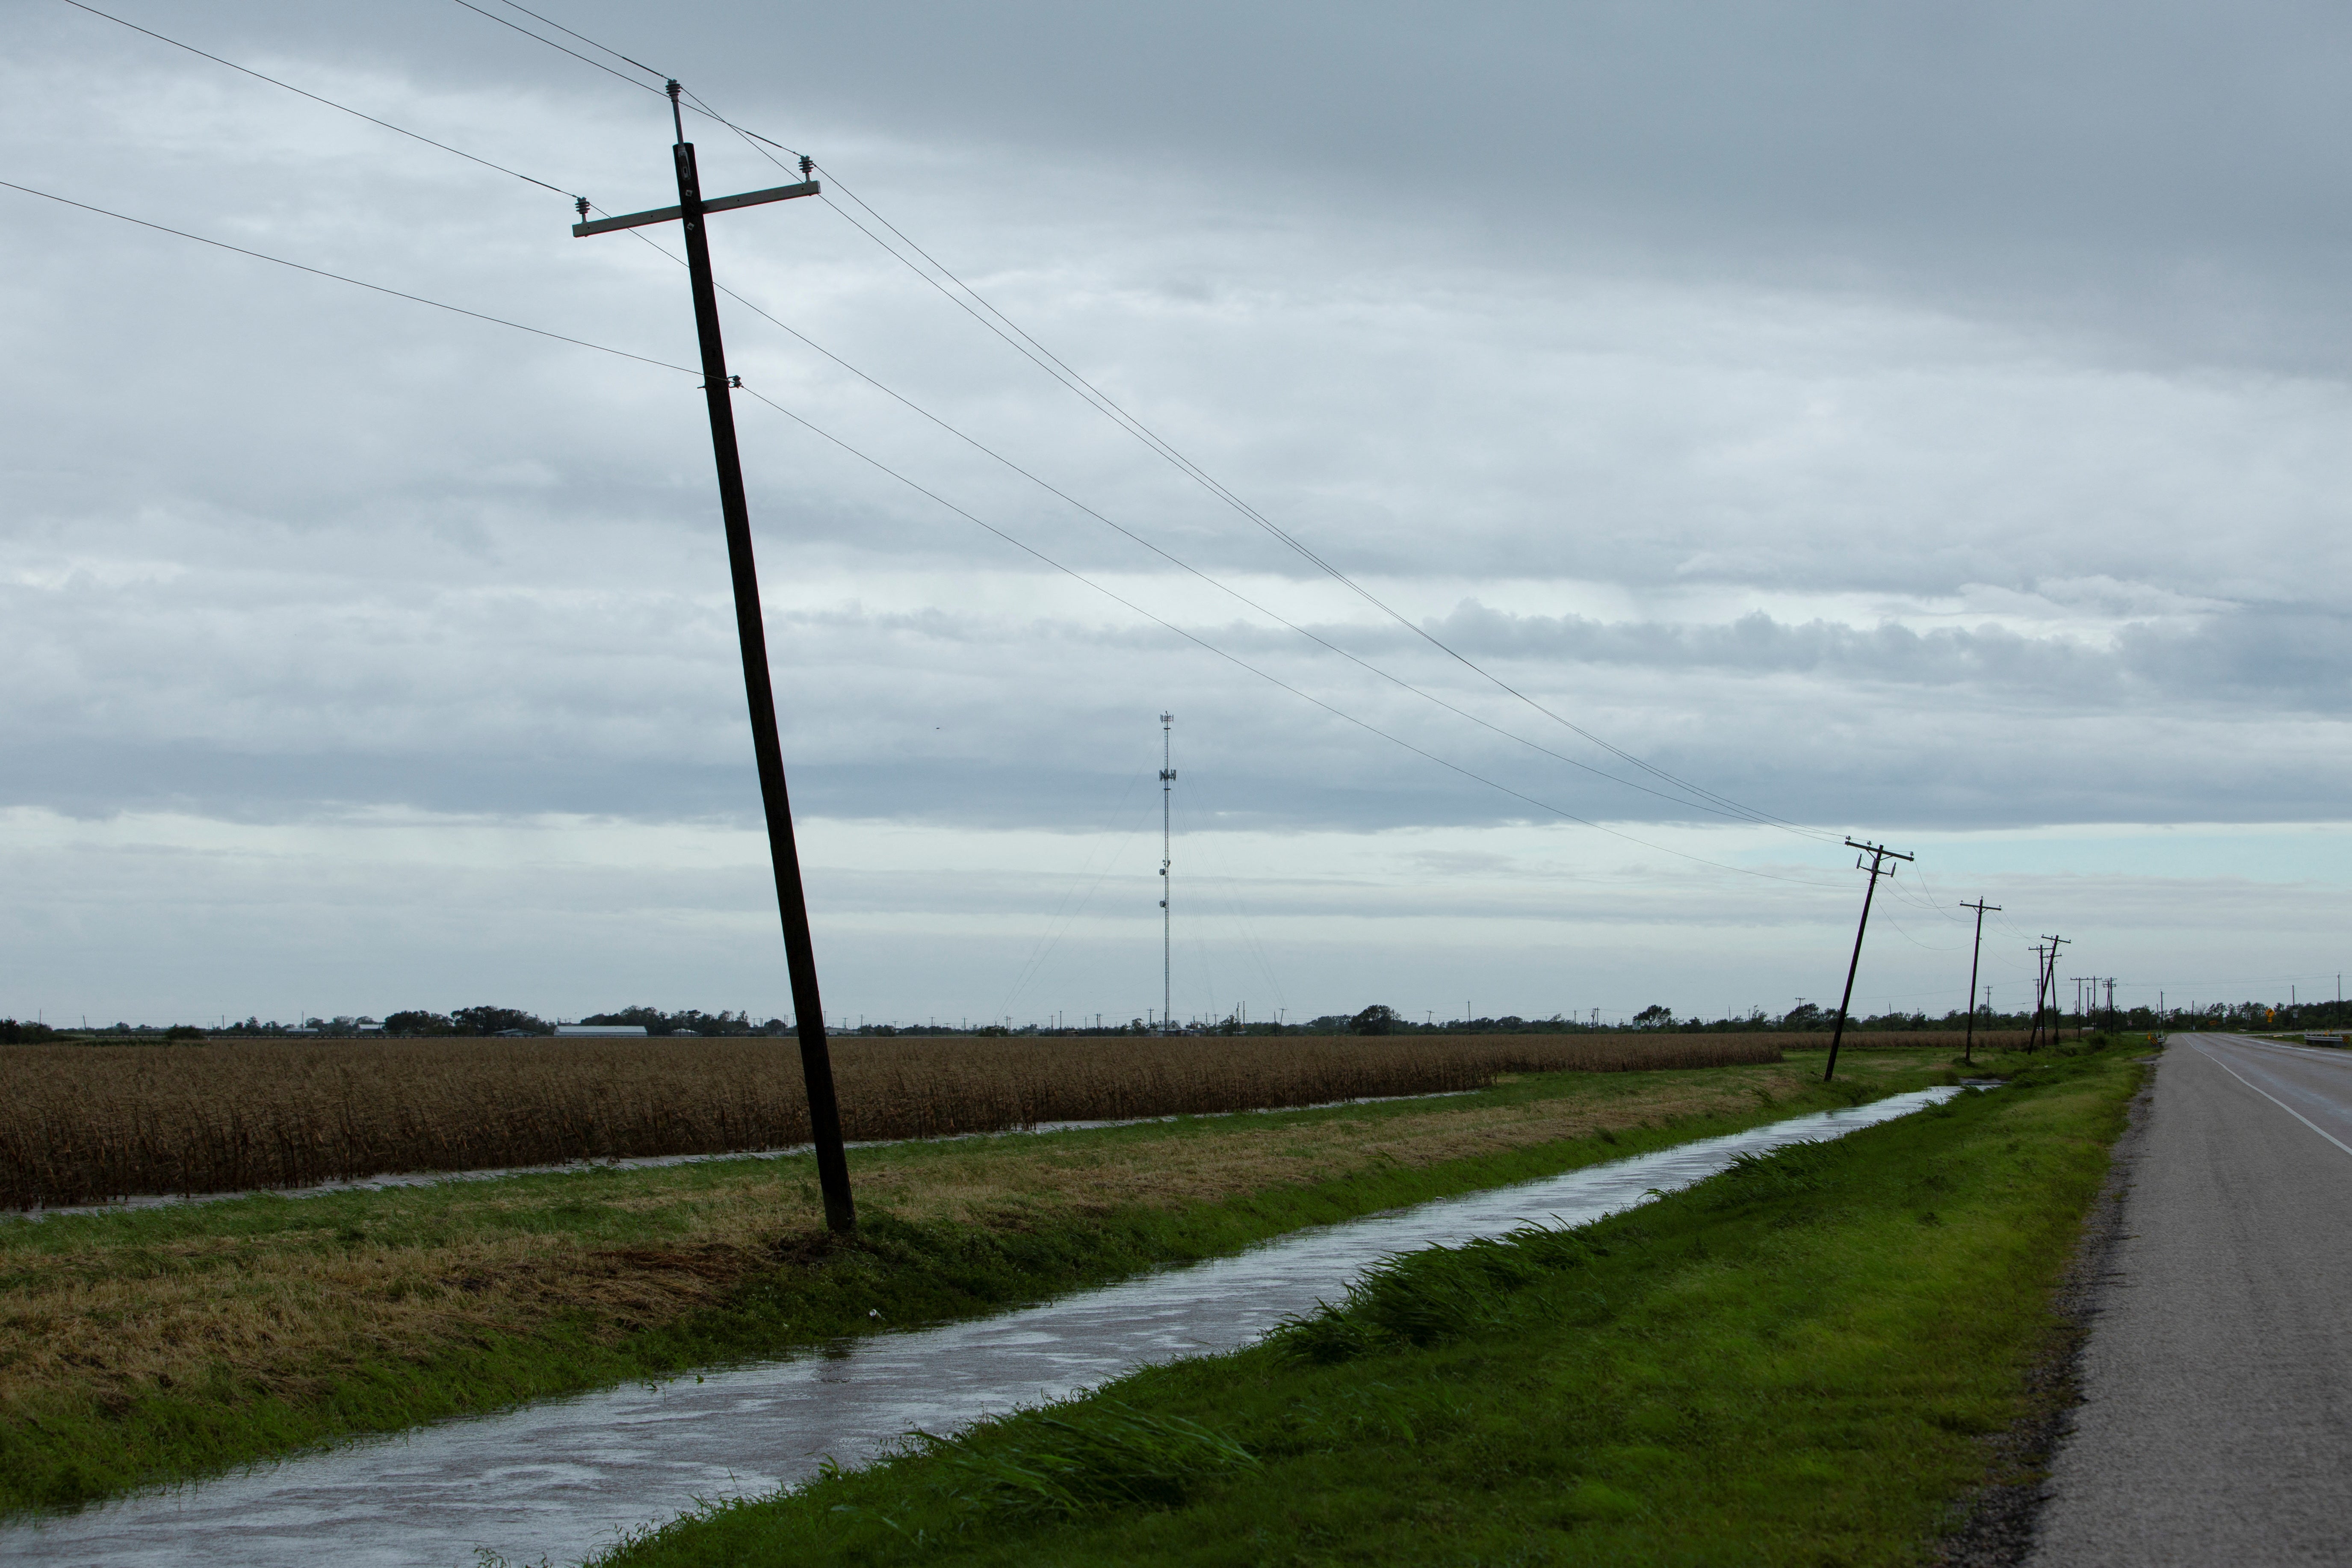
(1166,947)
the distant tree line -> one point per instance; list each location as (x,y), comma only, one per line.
(463,1021)
(1805,1017)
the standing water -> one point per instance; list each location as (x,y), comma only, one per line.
(566,1477)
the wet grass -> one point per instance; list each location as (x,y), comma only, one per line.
(1794,1363)
(165,1343)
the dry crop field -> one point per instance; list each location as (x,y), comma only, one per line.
(85,1123)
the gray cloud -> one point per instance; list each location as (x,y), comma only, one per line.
(2152,179)
(2295,658)
(1925,420)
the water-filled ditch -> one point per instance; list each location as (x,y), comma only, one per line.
(564,1478)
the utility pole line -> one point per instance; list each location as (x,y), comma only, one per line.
(1968,1053)
(783,853)
(1167,931)
(1879,855)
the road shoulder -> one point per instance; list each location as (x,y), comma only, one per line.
(1996,1527)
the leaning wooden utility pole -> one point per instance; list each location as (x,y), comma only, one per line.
(792,902)
(2033,1040)
(1879,855)
(1968,1053)
(2046,988)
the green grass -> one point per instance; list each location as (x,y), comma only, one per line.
(1790,1364)
(64,1450)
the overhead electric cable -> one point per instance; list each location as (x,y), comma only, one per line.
(546,21)
(354,282)
(551,44)
(1185,566)
(663,90)
(1240,663)
(1102,404)
(917,408)
(1054,366)
(1196,640)
(314,98)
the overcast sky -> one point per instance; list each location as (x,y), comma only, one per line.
(1926,422)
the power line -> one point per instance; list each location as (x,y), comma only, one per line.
(1722,806)
(1059,370)
(1102,404)
(926,413)
(1243,664)
(1055,367)
(340,278)
(551,44)
(877,463)
(591,43)
(608,70)
(331,104)
(1277,616)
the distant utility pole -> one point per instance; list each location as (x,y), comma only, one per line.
(1879,855)
(792,902)
(2046,990)
(1968,1053)
(1167,931)
(2034,1039)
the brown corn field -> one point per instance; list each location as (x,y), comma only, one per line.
(85,1123)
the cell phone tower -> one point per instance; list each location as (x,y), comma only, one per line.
(1166,945)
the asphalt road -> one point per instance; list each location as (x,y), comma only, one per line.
(2216,1426)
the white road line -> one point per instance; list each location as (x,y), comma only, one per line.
(2274,1100)
(2331,1055)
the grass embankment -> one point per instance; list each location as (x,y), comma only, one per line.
(167,1342)
(1790,1363)
(88,1123)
